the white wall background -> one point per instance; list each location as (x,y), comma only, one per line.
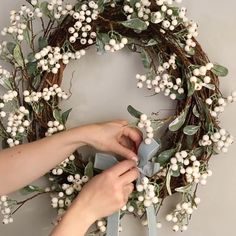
(102,89)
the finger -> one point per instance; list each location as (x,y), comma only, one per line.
(126,142)
(134,134)
(122,167)
(122,122)
(124,152)
(128,189)
(129,176)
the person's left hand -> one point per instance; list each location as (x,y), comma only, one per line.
(114,136)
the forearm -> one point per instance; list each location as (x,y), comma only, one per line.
(23,164)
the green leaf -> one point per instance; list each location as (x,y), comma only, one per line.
(168,179)
(133,112)
(30,189)
(17,56)
(135,24)
(179,121)
(165,156)
(145,59)
(89,170)
(10,47)
(191,129)
(42,42)
(195,111)
(65,115)
(175,173)
(220,70)
(31,68)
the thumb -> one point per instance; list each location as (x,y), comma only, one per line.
(125,152)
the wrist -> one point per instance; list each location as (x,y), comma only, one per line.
(85,134)
(79,214)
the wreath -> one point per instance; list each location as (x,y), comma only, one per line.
(160,32)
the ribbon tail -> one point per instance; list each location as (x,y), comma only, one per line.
(151,217)
(113,223)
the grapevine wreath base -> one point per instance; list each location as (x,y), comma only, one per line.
(160,32)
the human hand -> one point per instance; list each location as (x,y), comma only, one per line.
(103,195)
(114,136)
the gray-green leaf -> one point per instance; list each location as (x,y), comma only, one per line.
(165,156)
(195,111)
(184,189)
(191,129)
(42,42)
(220,70)
(179,121)
(10,47)
(57,115)
(191,88)
(209,86)
(135,24)
(30,189)
(65,115)
(101,6)
(133,112)
(44,8)
(89,170)
(27,36)
(168,179)
(101,40)
(151,42)
(17,56)
(145,59)
(199,151)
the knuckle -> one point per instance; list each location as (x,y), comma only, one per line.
(121,200)
(129,163)
(135,173)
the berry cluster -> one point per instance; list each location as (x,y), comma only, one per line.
(46,95)
(49,58)
(5,210)
(82,27)
(182,213)
(146,123)
(115,45)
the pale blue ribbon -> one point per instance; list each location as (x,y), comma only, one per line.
(146,168)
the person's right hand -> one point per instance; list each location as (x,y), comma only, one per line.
(103,195)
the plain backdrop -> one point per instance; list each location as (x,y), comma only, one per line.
(103,86)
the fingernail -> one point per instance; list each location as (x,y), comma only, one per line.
(135,159)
